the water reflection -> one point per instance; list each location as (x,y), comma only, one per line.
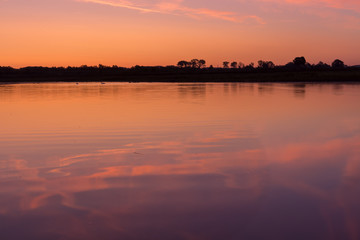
(226,88)
(299,90)
(194,90)
(338,89)
(265,88)
(273,168)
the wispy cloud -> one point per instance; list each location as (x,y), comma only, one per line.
(122,4)
(340,13)
(353,5)
(177,7)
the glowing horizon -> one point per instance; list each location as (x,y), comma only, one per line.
(156,32)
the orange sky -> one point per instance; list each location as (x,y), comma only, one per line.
(157,32)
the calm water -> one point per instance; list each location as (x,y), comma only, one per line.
(180,161)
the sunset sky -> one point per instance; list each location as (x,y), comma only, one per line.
(162,32)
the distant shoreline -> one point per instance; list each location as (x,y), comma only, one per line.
(181,75)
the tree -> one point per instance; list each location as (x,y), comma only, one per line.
(261,64)
(182,64)
(241,65)
(194,63)
(299,61)
(266,64)
(322,65)
(234,65)
(249,67)
(226,64)
(338,64)
(202,63)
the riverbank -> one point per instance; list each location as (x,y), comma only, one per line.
(345,75)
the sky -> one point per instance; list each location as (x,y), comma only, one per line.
(158,32)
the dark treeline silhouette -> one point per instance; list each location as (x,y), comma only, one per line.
(194,70)
(194,63)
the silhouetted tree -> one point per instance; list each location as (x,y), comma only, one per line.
(322,65)
(194,63)
(266,64)
(226,64)
(290,65)
(270,64)
(182,64)
(338,64)
(234,64)
(249,67)
(241,65)
(299,61)
(202,63)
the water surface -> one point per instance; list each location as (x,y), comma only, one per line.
(179,161)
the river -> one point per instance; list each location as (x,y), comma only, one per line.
(180,161)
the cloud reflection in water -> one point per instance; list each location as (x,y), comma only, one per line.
(239,180)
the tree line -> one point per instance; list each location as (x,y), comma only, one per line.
(194,67)
(298,62)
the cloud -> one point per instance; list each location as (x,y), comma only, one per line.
(342,4)
(353,5)
(122,4)
(177,7)
(342,14)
